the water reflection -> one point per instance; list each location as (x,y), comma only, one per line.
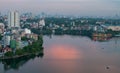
(76,54)
(17,63)
(100,38)
(64,51)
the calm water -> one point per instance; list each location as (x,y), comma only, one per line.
(70,54)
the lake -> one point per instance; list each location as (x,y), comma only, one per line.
(70,54)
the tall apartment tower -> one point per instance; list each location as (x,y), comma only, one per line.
(13,19)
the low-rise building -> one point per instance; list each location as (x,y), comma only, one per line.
(6,49)
(33,36)
(114,28)
(27,31)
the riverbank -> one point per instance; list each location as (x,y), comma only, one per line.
(19,56)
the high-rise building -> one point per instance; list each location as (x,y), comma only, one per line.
(13,19)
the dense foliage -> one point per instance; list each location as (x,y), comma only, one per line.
(43,31)
(24,38)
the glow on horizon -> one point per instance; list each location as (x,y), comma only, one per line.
(68,7)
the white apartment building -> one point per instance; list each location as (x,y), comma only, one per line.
(13,19)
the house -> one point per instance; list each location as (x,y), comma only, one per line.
(6,49)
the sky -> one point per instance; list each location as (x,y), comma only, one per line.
(66,7)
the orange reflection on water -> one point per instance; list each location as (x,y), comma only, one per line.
(64,52)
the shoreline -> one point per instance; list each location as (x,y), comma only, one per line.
(19,56)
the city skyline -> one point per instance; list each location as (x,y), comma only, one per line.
(65,7)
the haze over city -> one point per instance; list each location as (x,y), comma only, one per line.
(65,7)
(59,36)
